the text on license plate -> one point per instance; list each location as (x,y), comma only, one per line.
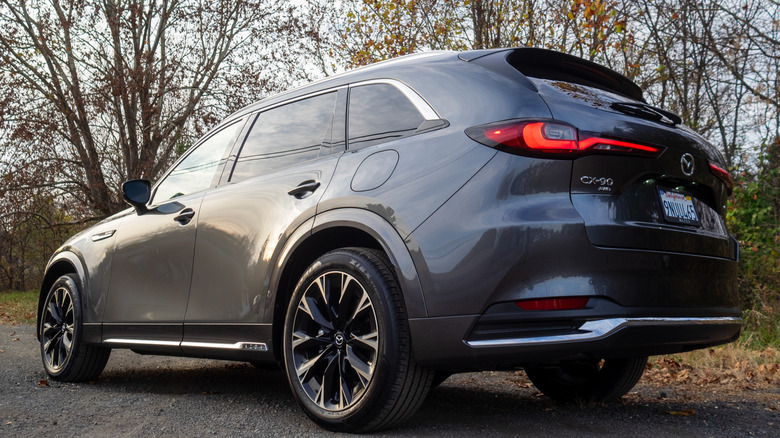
(678,207)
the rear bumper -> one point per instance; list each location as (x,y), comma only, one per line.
(525,240)
(438,347)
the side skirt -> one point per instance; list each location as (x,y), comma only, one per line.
(243,342)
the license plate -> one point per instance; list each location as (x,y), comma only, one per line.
(678,207)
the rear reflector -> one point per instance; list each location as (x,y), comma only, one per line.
(551,139)
(554,303)
(723,175)
(607,144)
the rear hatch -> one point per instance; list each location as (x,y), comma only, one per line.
(668,194)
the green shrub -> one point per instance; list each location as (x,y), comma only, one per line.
(754,218)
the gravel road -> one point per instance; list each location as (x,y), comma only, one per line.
(160,396)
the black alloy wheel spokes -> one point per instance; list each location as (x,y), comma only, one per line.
(58,325)
(335,341)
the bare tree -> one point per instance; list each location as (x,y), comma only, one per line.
(703,64)
(110,90)
(94,93)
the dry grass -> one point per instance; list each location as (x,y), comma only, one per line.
(18,307)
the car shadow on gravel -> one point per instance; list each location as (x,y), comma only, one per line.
(468,404)
(211,378)
(164,396)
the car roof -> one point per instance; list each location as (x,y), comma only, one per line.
(371,71)
(528,61)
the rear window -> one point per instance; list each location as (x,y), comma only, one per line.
(286,135)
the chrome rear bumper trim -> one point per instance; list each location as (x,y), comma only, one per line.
(594,330)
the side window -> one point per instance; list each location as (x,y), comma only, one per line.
(285,135)
(196,171)
(379,113)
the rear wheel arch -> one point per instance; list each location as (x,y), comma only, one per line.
(347,346)
(340,229)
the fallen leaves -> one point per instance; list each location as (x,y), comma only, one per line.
(683,413)
(17,308)
(771,369)
(722,367)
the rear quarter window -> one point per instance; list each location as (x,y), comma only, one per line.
(379,113)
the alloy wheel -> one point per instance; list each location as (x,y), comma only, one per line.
(58,328)
(335,341)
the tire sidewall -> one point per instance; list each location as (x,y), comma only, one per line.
(70,283)
(364,271)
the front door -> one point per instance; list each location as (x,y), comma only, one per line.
(152,263)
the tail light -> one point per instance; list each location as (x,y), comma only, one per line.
(723,175)
(552,139)
(554,303)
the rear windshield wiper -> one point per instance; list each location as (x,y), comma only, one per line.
(648,112)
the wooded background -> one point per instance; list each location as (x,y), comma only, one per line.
(93,93)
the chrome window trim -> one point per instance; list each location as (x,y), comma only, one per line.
(421,104)
(293,100)
(595,330)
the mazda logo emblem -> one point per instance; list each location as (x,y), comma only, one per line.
(686,163)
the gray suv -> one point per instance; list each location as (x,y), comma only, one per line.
(379,230)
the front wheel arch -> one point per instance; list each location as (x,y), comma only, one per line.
(65,354)
(62,264)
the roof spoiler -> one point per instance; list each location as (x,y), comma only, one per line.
(549,64)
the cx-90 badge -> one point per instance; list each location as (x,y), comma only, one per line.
(604,183)
(686,163)
(601,181)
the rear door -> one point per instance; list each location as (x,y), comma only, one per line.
(281,170)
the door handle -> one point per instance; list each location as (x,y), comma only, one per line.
(185,216)
(304,189)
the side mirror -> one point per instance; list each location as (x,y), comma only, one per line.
(137,193)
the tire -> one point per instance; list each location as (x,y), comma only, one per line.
(588,381)
(60,327)
(347,346)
